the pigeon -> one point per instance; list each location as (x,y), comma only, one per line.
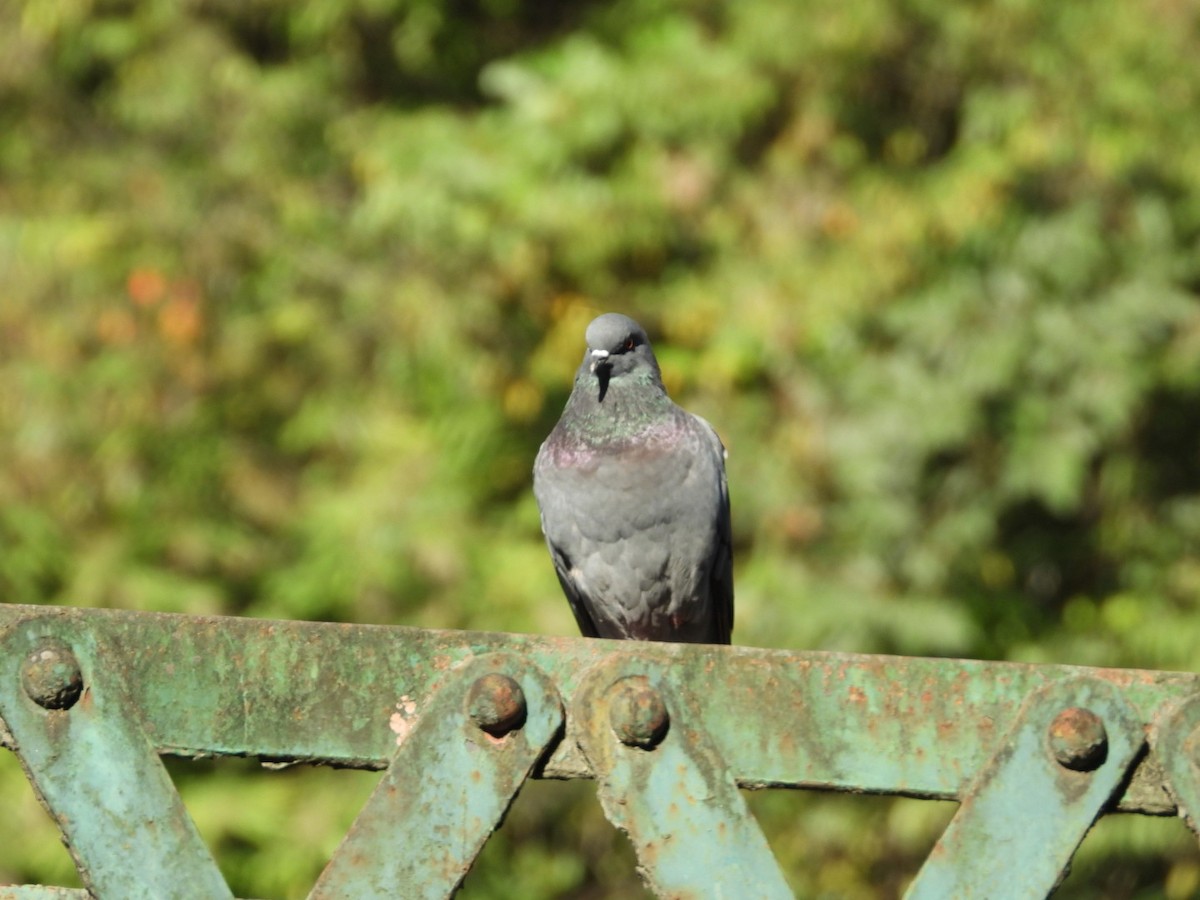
(634,501)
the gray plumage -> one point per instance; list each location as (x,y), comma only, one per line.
(634,502)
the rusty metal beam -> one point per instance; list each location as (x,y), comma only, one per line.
(661,782)
(460,761)
(1175,738)
(1027,811)
(321,692)
(42,892)
(79,739)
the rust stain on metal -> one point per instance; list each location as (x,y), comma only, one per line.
(1078,739)
(496,704)
(637,712)
(786,744)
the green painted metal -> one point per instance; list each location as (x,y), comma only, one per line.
(1176,742)
(458,766)
(1034,753)
(68,715)
(1022,819)
(298,691)
(42,892)
(661,781)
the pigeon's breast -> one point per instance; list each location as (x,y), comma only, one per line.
(634,453)
(635,484)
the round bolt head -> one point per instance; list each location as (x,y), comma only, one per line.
(496,704)
(51,675)
(637,712)
(1078,739)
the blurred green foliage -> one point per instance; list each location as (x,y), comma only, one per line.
(292,292)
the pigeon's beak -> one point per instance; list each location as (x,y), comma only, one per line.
(599,358)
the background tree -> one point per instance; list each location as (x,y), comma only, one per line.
(292,292)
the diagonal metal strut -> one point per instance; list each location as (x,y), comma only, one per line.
(454,774)
(1028,809)
(80,741)
(662,782)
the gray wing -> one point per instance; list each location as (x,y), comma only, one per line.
(721,574)
(575,597)
(564,545)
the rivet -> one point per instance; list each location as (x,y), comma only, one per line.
(637,712)
(51,675)
(496,704)
(1078,739)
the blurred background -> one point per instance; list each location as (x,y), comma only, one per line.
(290,293)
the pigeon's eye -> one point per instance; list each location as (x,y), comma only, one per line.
(629,343)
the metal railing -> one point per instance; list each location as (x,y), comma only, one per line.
(458,721)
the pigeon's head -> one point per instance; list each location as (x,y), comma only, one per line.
(616,346)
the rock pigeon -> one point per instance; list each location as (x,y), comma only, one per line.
(634,501)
